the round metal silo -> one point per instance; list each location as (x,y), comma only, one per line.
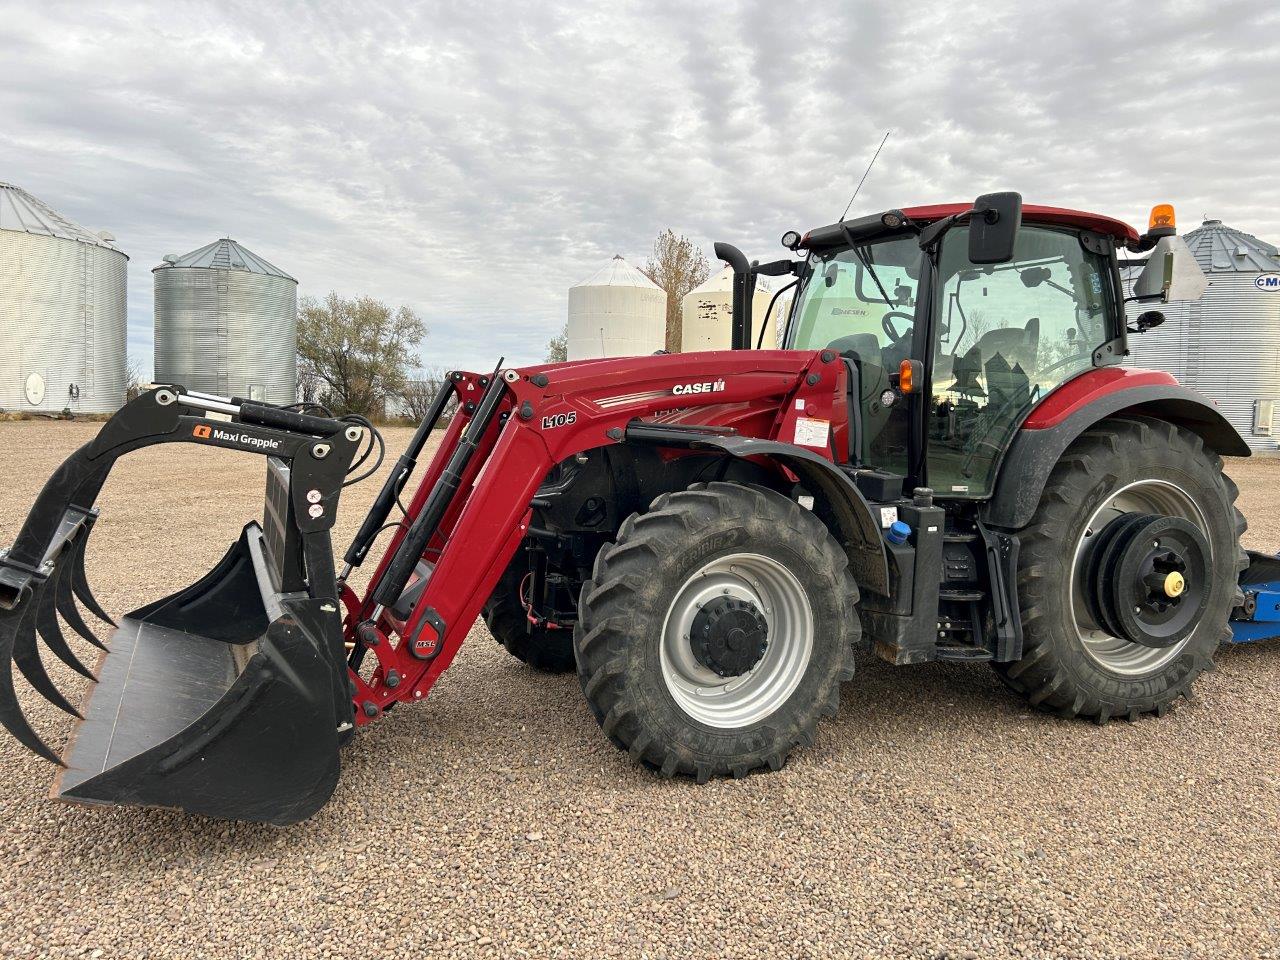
(708,315)
(1227,343)
(226,323)
(63,311)
(616,312)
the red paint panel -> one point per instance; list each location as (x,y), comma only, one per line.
(1036,214)
(1087,388)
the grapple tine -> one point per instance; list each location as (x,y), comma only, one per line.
(65,601)
(79,580)
(26,654)
(47,624)
(21,617)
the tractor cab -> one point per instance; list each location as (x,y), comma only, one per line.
(950,342)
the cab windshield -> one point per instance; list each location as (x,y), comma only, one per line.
(860,299)
(861,302)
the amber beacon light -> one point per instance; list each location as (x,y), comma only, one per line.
(1162,222)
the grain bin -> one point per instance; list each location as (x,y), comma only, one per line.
(227,324)
(616,312)
(63,314)
(708,315)
(1227,343)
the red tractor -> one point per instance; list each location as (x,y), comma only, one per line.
(945,463)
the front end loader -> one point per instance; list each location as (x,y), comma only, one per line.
(946,463)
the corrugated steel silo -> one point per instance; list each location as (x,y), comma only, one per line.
(1227,343)
(227,324)
(708,315)
(63,314)
(616,312)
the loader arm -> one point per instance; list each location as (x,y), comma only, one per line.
(544,416)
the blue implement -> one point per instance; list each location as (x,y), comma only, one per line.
(1258,618)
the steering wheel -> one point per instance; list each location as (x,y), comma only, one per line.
(888,326)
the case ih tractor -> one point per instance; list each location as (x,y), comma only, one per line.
(946,463)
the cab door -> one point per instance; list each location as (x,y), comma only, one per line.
(1003,336)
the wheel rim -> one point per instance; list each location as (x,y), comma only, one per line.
(1117,654)
(746,699)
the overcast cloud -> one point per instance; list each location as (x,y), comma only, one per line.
(474,160)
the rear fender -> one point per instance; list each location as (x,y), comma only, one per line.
(1080,404)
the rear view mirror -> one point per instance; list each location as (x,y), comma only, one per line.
(1171,273)
(993,227)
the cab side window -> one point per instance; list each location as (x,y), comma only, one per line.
(1004,336)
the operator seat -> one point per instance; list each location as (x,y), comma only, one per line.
(1018,346)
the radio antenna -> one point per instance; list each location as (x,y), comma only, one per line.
(864,176)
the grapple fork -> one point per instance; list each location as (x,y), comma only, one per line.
(228,698)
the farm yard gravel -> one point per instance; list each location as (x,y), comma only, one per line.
(936,817)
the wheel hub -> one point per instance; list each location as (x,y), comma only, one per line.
(1148,578)
(729,636)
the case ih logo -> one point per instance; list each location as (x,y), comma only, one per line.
(203,431)
(709,386)
(1269,282)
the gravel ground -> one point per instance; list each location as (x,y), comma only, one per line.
(936,817)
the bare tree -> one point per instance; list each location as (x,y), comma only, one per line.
(558,346)
(132,378)
(418,392)
(677,266)
(353,354)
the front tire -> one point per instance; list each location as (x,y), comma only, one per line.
(715,632)
(1076,659)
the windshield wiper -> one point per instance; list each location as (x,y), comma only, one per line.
(863,255)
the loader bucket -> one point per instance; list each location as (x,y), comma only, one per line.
(229,698)
(217,700)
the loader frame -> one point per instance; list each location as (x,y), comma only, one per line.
(746,405)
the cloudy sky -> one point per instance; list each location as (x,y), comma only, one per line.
(474,160)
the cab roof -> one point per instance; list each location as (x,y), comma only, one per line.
(835,234)
(1037,214)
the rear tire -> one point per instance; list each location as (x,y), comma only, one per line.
(1069,665)
(542,648)
(764,592)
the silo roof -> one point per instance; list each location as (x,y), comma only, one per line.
(618,273)
(21,212)
(1222,249)
(225,254)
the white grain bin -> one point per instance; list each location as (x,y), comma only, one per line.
(708,315)
(616,312)
(63,314)
(1227,343)
(227,324)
